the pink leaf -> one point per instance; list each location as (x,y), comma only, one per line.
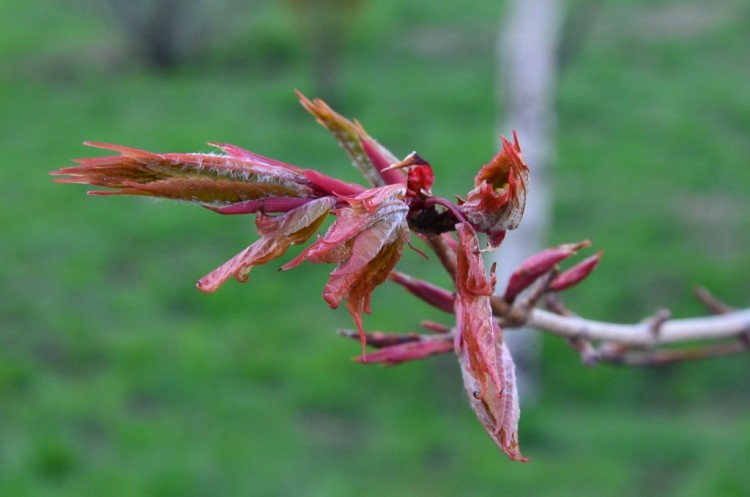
(498,199)
(497,410)
(369,157)
(365,242)
(486,364)
(278,233)
(241,153)
(206,178)
(330,185)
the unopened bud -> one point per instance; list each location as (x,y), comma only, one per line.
(410,351)
(537,265)
(575,274)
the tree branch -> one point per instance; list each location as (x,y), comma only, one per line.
(444,251)
(733,324)
(661,357)
(626,344)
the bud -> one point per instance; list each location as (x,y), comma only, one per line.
(420,177)
(210,179)
(538,264)
(409,351)
(379,340)
(575,274)
(432,294)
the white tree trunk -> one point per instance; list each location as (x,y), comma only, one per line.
(527,52)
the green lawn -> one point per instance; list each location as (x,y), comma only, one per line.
(117,377)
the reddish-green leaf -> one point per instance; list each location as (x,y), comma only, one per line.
(497,410)
(369,157)
(486,363)
(277,234)
(365,242)
(212,179)
(498,199)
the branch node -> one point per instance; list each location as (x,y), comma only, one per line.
(589,355)
(541,288)
(656,322)
(518,312)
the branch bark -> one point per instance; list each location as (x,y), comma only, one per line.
(735,324)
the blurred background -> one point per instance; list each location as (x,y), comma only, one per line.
(118,378)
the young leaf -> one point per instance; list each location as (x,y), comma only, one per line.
(486,364)
(212,179)
(365,242)
(277,234)
(498,411)
(497,202)
(369,157)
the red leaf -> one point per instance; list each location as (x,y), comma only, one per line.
(366,242)
(497,410)
(475,338)
(498,199)
(211,179)
(278,233)
(486,364)
(369,157)
(330,185)
(241,153)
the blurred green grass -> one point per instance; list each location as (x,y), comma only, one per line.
(118,378)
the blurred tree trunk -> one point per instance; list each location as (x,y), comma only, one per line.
(158,29)
(326,25)
(527,51)
(166,34)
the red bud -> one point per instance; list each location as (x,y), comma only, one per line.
(432,294)
(409,351)
(379,340)
(575,274)
(535,266)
